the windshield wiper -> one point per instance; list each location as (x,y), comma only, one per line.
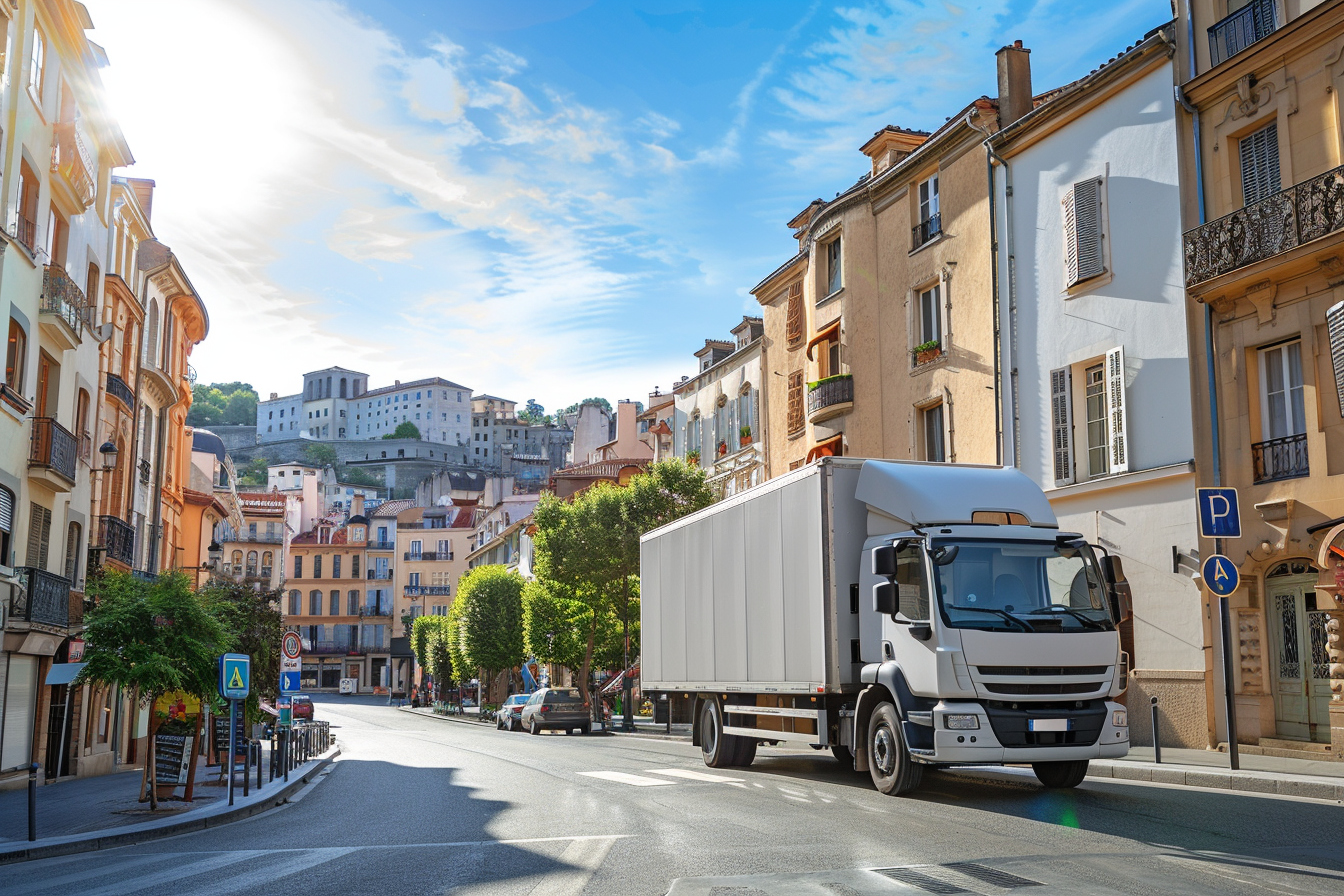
(1054,608)
(997,612)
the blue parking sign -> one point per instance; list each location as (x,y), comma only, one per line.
(1221,575)
(1219,516)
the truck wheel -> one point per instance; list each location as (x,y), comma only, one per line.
(719,749)
(843,755)
(889,762)
(1059,775)
(746,751)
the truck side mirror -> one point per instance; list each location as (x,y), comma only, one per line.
(1117,588)
(885,597)
(884,560)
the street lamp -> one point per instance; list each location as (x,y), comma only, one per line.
(109,453)
(215,553)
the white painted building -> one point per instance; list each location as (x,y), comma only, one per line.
(337,404)
(1096,386)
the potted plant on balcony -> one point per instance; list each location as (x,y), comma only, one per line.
(927,351)
(693,457)
(723,447)
(744,436)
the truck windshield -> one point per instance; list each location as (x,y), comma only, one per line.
(1021,586)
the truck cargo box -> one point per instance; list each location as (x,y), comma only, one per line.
(758,593)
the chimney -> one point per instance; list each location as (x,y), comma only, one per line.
(357,505)
(274,396)
(1014,83)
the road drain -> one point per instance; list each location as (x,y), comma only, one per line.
(993,875)
(920,879)
(952,878)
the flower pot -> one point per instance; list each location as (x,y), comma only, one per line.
(743,441)
(927,355)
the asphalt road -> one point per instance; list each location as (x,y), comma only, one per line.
(417,805)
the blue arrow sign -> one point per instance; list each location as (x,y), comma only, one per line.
(1219,516)
(1220,575)
(289,683)
(234,676)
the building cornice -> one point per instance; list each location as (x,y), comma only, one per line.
(1309,31)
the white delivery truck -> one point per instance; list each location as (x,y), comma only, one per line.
(903,614)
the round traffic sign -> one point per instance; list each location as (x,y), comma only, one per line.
(1220,574)
(291,645)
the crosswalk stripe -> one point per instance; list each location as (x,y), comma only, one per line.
(255,878)
(174,874)
(584,857)
(692,775)
(627,778)
(48,883)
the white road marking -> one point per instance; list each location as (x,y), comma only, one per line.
(627,778)
(98,870)
(255,878)
(175,874)
(586,856)
(691,775)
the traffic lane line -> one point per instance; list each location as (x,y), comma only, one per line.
(627,778)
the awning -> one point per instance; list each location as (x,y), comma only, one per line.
(829,448)
(63,673)
(827,334)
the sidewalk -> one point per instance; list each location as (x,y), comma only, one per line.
(86,814)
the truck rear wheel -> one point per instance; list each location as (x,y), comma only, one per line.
(889,762)
(1060,775)
(717,747)
(746,750)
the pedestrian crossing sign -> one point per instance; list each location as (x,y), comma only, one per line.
(234,675)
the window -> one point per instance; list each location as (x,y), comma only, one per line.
(1259,164)
(1098,444)
(795,402)
(314,603)
(295,603)
(1106,440)
(930,219)
(16,357)
(414,580)
(335,604)
(834,279)
(1061,422)
(298,566)
(6,524)
(37,69)
(931,424)
(336,566)
(912,586)
(352,603)
(39,535)
(1282,409)
(72,540)
(252,563)
(417,548)
(26,226)
(793,316)
(931,316)
(1084,257)
(317,566)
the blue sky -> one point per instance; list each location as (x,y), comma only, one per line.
(546,199)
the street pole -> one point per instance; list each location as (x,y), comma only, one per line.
(233,733)
(1229,685)
(628,720)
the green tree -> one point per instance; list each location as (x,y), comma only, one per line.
(153,638)
(534,414)
(406,430)
(241,409)
(319,454)
(255,473)
(574,408)
(429,643)
(491,619)
(255,626)
(217,404)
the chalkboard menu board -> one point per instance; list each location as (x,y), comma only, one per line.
(222,734)
(172,758)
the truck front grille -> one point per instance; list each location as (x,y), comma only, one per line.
(1041,670)
(1042,688)
(1010,723)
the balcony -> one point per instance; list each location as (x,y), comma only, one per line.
(52,452)
(428,555)
(117,388)
(926,230)
(830,397)
(376,576)
(145,575)
(372,610)
(428,591)
(333,648)
(382,546)
(1231,35)
(44,598)
(25,231)
(64,312)
(117,539)
(73,163)
(1288,219)
(1279,459)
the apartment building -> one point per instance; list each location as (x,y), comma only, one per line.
(337,404)
(255,551)
(1263,201)
(519,448)
(432,544)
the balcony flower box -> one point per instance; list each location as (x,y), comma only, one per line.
(929,351)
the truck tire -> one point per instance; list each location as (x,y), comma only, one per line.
(718,749)
(1060,775)
(746,751)
(843,755)
(889,762)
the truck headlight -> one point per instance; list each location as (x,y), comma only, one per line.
(961,722)
(1120,718)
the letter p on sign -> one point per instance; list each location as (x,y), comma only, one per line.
(1219,516)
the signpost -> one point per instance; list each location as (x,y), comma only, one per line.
(1219,518)
(235,675)
(290,648)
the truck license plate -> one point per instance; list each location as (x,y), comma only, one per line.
(1049,724)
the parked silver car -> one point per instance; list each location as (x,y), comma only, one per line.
(510,714)
(561,709)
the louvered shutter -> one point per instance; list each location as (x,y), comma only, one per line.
(1260,164)
(6,513)
(1083,255)
(1334,322)
(795,401)
(1116,430)
(1061,424)
(793,321)
(39,535)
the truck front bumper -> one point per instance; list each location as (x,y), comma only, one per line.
(979,745)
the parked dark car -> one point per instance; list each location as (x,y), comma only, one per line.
(510,713)
(561,709)
(303,708)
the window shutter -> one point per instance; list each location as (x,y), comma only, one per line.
(1115,410)
(6,513)
(1259,164)
(1334,323)
(39,535)
(1061,424)
(793,321)
(795,401)
(1083,256)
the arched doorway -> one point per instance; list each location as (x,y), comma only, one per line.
(1300,670)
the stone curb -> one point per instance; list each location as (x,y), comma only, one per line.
(1274,783)
(132,834)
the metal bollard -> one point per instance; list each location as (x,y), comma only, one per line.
(284,753)
(247,765)
(1157,746)
(258,744)
(32,801)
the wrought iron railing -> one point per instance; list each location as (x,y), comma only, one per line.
(145,575)
(382,546)
(60,296)
(1277,223)
(830,392)
(117,388)
(375,610)
(333,647)
(428,590)
(927,229)
(54,447)
(44,597)
(384,576)
(25,231)
(1284,458)
(71,157)
(428,555)
(1231,35)
(117,539)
